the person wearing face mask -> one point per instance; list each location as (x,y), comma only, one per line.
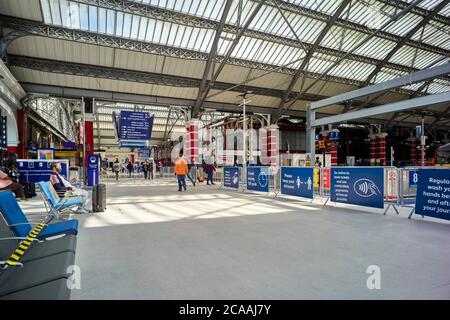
(61,184)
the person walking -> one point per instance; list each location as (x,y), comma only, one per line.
(160,167)
(130,169)
(116,168)
(189,174)
(210,168)
(181,170)
(150,169)
(145,169)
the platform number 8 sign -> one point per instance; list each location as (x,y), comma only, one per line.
(413,178)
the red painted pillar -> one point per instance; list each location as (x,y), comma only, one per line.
(89,140)
(191,146)
(382,148)
(273,145)
(413,150)
(22,125)
(373,149)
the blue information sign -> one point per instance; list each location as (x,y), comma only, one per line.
(433,193)
(334,135)
(231,177)
(413,178)
(258,179)
(135,125)
(297,181)
(93,170)
(360,186)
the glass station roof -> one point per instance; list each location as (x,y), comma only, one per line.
(280,46)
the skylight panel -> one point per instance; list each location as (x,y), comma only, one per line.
(74,15)
(217,11)
(172,34)
(101,20)
(178,5)
(110,21)
(201,8)
(55,12)
(93,19)
(186,36)
(119,24)
(127,25)
(164,34)
(135,27)
(179,35)
(46,11)
(84,17)
(142,28)
(187,4)
(65,13)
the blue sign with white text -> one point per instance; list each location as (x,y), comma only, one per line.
(39,170)
(135,125)
(258,179)
(231,177)
(297,181)
(413,178)
(334,135)
(359,186)
(93,170)
(433,193)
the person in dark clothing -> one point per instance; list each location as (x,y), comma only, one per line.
(190,166)
(150,169)
(145,169)
(130,169)
(116,168)
(210,168)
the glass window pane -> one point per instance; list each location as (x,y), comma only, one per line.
(127,25)
(74,15)
(46,11)
(110,21)
(135,27)
(93,19)
(119,24)
(65,14)
(143,28)
(84,17)
(56,13)
(102,20)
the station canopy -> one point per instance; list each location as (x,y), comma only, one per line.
(287,53)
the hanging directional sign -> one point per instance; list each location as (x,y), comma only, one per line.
(135,125)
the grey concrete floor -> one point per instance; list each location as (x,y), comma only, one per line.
(206,243)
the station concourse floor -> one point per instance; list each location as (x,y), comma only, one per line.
(209,243)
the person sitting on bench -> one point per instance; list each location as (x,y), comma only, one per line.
(7,184)
(61,184)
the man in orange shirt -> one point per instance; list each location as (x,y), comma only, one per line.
(181,170)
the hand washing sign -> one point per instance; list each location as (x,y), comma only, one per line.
(433,193)
(359,186)
(297,181)
(231,177)
(258,179)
